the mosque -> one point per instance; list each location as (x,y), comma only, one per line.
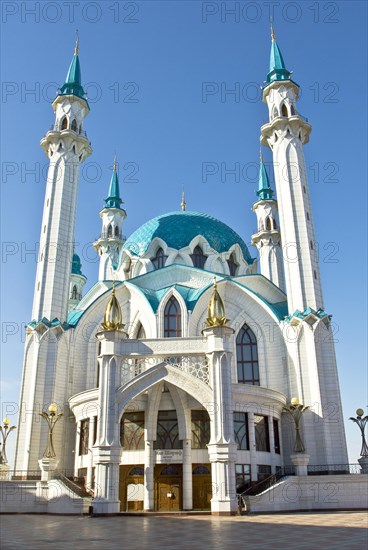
(174,371)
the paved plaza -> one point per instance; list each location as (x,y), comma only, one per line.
(302,531)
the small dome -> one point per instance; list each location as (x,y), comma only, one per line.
(76,265)
(178,229)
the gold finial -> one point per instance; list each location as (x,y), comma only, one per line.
(112,317)
(273,36)
(183,204)
(216,309)
(114,170)
(76,50)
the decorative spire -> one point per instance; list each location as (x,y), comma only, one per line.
(278,70)
(183,204)
(76,49)
(264,190)
(273,37)
(73,81)
(216,309)
(114,200)
(112,320)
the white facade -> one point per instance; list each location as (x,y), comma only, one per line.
(171,413)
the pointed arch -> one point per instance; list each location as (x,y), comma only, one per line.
(247,357)
(159,259)
(109,230)
(198,257)
(64,123)
(284,110)
(268,223)
(172,292)
(116,231)
(232,264)
(172,319)
(74,125)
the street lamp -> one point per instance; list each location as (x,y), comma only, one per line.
(5,431)
(51,418)
(361,422)
(296,409)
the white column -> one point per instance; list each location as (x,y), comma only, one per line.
(76,451)
(149,466)
(272,444)
(252,448)
(90,453)
(222,447)
(187,475)
(106,452)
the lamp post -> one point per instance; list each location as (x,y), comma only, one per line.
(300,459)
(51,418)
(361,421)
(5,431)
(296,409)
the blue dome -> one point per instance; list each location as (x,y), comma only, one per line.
(178,229)
(76,265)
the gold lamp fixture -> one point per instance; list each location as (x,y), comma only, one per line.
(112,320)
(216,309)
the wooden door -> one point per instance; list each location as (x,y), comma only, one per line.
(202,487)
(168,488)
(129,477)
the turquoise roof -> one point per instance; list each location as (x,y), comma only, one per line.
(278,71)
(73,81)
(264,190)
(114,200)
(76,265)
(178,229)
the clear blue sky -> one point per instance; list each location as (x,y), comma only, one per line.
(145,65)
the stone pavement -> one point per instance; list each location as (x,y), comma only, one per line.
(299,531)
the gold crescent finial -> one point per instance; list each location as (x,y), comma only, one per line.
(183,204)
(115,164)
(76,50)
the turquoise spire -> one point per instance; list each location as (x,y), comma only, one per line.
(73,81)
(114,200)
(264,190)
(278,71)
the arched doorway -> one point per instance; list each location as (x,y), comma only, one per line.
(202,486)
(131,488)
(168,482)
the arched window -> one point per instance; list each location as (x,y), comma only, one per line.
(268,224)
(274,224)
(74,293)
(141,333)
(159,260)
(247,357)
(64,123)
(198,258)
(116,231)
(232,264)
(284,110)
(109,230)
(172,319)
(74,125)
(292,110)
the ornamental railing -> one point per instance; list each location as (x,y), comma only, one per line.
(77,489)
(195,365)
(333,469)
(20,475)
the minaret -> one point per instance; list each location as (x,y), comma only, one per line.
(67,147)
(267,238)
(77,282)
(285,134)
(109,244)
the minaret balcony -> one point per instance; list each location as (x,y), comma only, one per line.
(69,137)
(259,234)
(297,124)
